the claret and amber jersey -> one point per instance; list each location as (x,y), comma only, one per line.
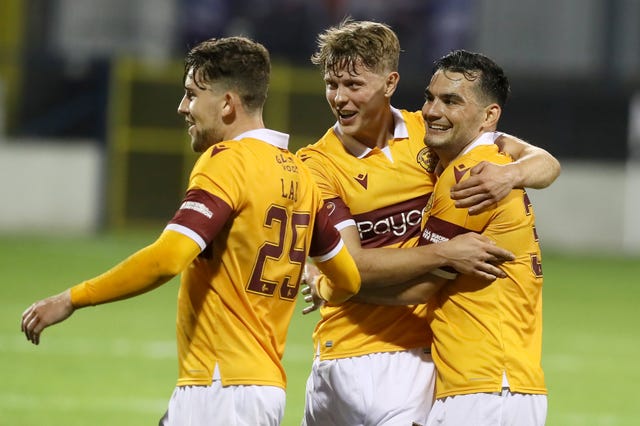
(253,208)
(487,335)
(383,193)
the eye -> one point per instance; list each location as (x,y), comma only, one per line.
(449,100)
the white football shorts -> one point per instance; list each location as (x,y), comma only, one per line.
(490,409)
(384,389)
(248,405)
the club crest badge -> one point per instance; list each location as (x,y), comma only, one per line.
(427,159)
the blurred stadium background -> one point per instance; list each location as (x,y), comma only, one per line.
(94,159)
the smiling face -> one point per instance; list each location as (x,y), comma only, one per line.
(360,100)
(201,107)
(455,113)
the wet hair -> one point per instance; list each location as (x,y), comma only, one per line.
(493,84)
(238,63)
(372,44)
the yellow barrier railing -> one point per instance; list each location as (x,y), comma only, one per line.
(149,152)
(11,45)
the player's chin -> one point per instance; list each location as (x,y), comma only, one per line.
(199,145)
(434,141)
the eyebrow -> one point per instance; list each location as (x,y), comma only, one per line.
(446,96)
(452,96)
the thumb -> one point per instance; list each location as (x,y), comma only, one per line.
(478,168)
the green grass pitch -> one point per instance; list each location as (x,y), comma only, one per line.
(115,364)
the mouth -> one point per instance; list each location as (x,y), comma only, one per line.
(346,117)
(437,128)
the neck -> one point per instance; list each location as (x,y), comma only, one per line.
(242,125)
(378,136)
(447,154)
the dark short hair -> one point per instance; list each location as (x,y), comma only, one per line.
(493,84)
(237,62)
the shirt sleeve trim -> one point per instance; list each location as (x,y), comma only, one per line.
(331,254)
(187,233)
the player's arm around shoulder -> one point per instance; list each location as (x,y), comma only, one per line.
(533,167)
(413,292)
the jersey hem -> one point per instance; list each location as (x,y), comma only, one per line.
(234,382)
(326,357)
(492,389)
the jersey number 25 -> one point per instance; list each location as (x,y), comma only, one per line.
(273,251)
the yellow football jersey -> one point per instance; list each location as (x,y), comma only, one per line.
(383,192)
(253,207)
(487,334)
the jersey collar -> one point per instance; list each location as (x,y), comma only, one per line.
(487,138)
(272,137)
(360,150)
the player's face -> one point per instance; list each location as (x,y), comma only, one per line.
(453,113)
(360,101)
(202,111)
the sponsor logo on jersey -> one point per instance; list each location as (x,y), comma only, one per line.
(397,224)
(362,179)
(438,230)
(432,237)
(392,224)
(198,207)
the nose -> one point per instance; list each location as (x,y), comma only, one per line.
(183,106)
(431,109)
(340,98)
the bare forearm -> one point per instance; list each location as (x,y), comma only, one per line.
(381,267)
(537,170)
(469,254)
(533,167)
(410,293)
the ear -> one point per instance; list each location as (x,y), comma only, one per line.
(229,105)
(391,83)
(492,115)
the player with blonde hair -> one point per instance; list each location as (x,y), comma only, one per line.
(373,363)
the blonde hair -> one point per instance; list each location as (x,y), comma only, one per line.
(374,45)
